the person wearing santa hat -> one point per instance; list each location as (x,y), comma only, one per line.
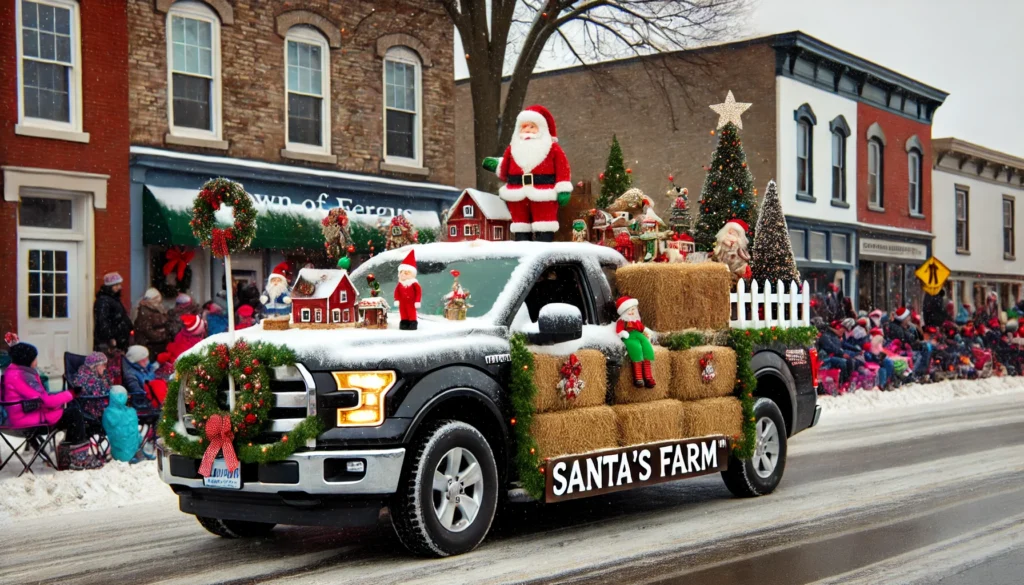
(731,248)
(536,176)
(897,328)
(636,338)
(408,293)
(275,299)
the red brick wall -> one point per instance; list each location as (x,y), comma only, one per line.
(105,110)
(895,173)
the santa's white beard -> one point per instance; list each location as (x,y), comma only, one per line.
(276,289)
(407,281)
(629,319)
(528,153)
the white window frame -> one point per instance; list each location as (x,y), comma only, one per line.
(409,57)
(962,222)
(453,231)
(318,315)
(875,200)
(343,297)
(346,316)
(310,36)
(467,211)
(467,229)
(336,315)
(304,315)
(195,11)
(498,232)
(41,127)
(914,189)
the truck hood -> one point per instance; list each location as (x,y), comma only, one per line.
(391,348)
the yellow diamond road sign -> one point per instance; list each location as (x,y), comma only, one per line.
(933,275)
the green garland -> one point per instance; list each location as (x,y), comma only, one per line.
(248,365)
(524,392)
(212,195)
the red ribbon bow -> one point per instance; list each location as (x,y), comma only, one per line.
(178,260)
(219,242)
(218,431)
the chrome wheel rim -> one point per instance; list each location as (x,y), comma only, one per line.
(458,489)
(766,450)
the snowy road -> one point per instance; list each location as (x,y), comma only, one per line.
(908,495)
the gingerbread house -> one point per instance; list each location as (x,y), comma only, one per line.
(478,216)
(373,313)
(323,299)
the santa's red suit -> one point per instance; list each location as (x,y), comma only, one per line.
(534,171)
(408,295)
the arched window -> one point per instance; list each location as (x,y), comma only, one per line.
(307,91)
(193,71)
(805,122)
(914,174)
(403,105)
(840,132)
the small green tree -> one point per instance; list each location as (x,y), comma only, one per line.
(679,219)
(728,191)
(616,180)
(772,256)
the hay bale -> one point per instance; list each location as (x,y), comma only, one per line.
(649,422)
(712,416)
(276,323)
(627,393)
(546,376)
(579,430)
(686,373)
(674,297)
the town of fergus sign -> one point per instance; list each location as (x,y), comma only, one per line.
(614,470)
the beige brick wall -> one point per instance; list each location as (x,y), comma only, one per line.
(253,80)
(621,99)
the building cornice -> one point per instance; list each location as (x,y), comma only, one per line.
(982,158)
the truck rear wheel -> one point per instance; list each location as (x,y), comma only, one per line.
(761,474)
(448,493)
(235,528)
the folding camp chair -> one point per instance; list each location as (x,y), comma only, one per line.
(93,425)
(149,415)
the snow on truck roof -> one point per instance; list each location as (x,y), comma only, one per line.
(485,250)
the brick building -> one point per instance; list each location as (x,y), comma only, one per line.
(805,129)
(64,157)
(311,105)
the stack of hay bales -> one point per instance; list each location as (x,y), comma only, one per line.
(674,297)
(563,427)
(708,407)
(646,415)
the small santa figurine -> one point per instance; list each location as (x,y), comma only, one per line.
(536,176)
(275,298)
(637,340)
(408,293)
(731,248)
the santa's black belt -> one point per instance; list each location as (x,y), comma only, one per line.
(530,179)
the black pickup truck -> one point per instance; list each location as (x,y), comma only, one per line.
(439,450)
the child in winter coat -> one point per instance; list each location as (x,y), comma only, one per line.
(121,423)
(245,317)
(193,331)
(875,353)
(165,366)
(140,374)
(90,381)
(216,319)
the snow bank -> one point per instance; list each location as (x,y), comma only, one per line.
(918,394)
(50,492)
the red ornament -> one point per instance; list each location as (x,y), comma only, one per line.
(455,273)
(600,177)
(671,178)
(248,370)
(248,386)
(250,418)
(629,171)
(238,362)
(284,439)
(351,249)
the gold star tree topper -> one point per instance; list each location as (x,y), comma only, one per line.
(729,111)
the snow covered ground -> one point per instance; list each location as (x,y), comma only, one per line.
(119,485)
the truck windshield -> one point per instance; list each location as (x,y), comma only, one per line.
(484,279)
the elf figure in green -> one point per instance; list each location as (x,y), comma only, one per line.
(636,337)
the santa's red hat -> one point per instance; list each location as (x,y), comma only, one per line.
(409,263)
(741,223)
(902,314)
(875,331)
(540,116)
(624,304)
(191,322)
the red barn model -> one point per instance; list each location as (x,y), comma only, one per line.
(478,216)
(323,299)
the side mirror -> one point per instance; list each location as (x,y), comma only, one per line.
(556,323)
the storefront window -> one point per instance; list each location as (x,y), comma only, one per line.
(840,248)
(894,285)
(819,246)
(796,237)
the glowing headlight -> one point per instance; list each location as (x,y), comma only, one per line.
(372,387)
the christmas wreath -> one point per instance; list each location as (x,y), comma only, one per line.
(223,241)
(200,376)
(172,261)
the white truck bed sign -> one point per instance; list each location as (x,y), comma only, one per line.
(613,470)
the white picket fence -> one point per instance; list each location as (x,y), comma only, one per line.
(747,305)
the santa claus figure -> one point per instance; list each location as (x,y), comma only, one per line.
(731,248)
(408,293)
(637,340)
(275,299)
(536,176)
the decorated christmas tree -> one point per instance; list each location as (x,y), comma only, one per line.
(772,257)
(615,180)
(728,189)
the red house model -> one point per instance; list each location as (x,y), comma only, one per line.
(323,299)
(478,216)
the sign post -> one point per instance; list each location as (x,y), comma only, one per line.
(933,275)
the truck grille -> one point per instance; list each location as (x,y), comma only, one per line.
(292,388)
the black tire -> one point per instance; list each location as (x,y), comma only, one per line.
(413,511)
(744,477)
(235,528)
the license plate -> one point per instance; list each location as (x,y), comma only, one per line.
(221,478)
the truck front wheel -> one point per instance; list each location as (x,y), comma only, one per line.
(235,528)
(761,474)
(449,491)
